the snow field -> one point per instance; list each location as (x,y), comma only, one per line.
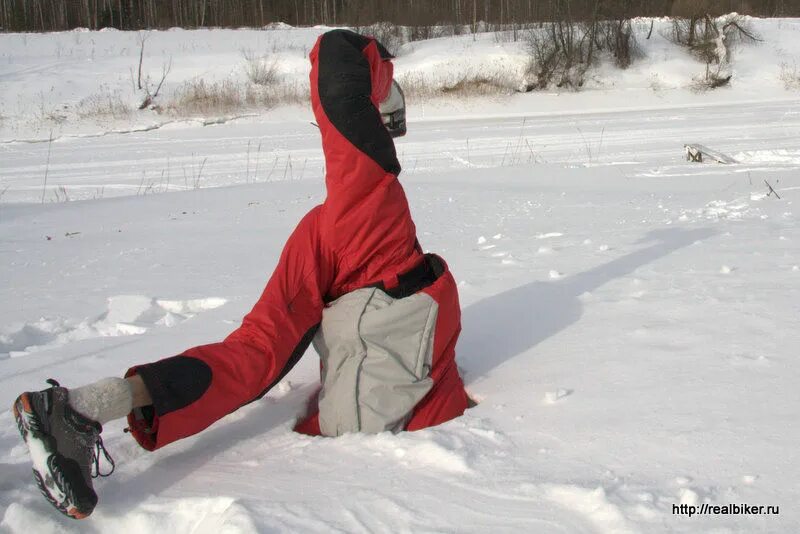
(639,378)
(629,318)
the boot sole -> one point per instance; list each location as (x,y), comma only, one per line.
(51,469)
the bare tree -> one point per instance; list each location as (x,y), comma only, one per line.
(49,15)
(145,83)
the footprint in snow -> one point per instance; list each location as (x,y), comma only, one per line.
(125,315)
(482,244)
(549,235)
(749,360)
(688,496)
(552,397)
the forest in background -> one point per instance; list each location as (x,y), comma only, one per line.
(465,15)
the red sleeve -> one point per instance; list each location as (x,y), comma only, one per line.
(366,218)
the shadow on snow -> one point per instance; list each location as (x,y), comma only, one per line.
(502,326)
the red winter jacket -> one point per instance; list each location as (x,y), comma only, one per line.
(361,236)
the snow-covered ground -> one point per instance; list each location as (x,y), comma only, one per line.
(630,318)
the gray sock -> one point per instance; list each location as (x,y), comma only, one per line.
(104,400)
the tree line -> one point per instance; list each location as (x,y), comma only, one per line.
(56,15)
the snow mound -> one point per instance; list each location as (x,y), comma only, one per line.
(200,515)
(593,504)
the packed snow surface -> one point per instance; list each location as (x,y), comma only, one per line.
(629,318)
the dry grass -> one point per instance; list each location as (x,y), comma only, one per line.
(102,106)
(263,90)
(466,84)
(790,76)
(198,97)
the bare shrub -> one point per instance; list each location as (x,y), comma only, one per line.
(620,41)
(790,76)
(654,83)
(559,56)
(60,194)
(563,50)
(704,36)
(421,33)
(712,41)
(712,79)
(436,31)
(261,70)
(698,34)
(145,84)
(737,30)
(391,36)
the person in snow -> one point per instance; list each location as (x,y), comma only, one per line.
(383,316)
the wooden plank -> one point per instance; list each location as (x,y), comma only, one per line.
(700,153)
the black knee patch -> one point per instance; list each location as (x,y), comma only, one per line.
(176,382)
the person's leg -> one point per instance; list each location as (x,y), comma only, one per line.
(447,398)
(179,396)
(140,396)
(389,358)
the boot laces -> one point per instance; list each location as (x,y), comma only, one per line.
(99,448)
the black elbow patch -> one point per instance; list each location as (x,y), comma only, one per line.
(176,382)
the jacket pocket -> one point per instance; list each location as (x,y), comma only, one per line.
(376,354)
